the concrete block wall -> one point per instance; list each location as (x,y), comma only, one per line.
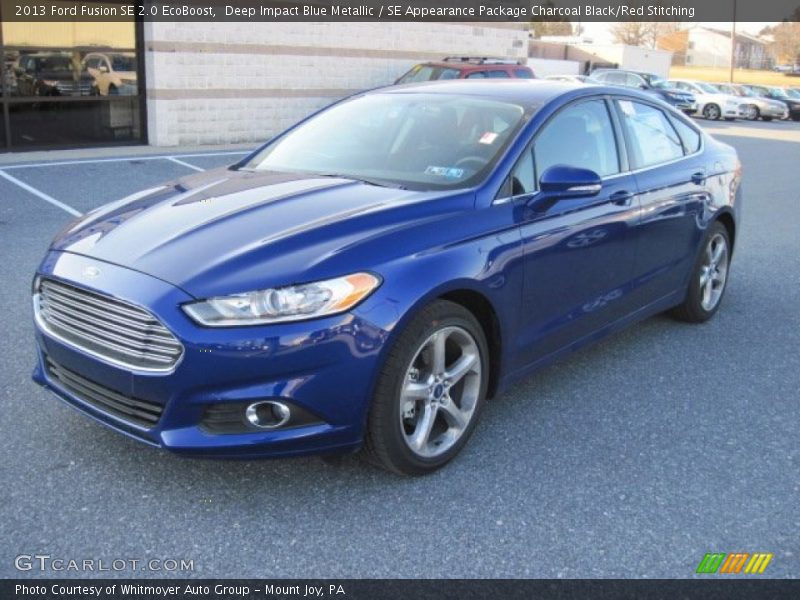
(243,82)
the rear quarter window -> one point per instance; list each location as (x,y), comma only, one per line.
(690,137)
(652,136)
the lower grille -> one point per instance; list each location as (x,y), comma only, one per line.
(138,412)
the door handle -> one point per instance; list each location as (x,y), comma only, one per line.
(699,178)
(621,198)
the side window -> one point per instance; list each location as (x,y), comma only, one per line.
(448,74)
(688,134)
(497,74)
(581,135)
(616,78)
(653,138)
(634,81)
(523,74)
(92,62)
(477,75)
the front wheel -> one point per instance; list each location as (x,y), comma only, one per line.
(430,391)
(709,277)
(712,112)
(752,113)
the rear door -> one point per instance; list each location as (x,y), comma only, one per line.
(666,156)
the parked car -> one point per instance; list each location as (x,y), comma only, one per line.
(711,103)
(758,107)
(50,74)
(652,84)
(572,78)
(467,67)
(778,95)
(114,72)
(376,272)
(792,92)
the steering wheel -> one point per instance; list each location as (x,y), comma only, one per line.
(476,163)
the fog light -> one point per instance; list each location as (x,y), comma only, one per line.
(267,414)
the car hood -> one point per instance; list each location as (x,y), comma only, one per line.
(227,231)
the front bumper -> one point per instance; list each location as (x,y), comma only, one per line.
(324,368)
(774,112)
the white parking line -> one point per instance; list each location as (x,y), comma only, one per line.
(40,194)
(123,159)
(185,164)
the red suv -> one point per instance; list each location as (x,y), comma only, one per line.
(467,67)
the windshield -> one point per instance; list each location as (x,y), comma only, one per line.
(792,93)
(54,64)
(417,141)
(427,73)
(706,87)
(121,62)
(778,92)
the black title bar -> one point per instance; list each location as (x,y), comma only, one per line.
(718,588)
(401,10)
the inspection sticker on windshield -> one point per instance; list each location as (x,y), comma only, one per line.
(488,138)
(449,172)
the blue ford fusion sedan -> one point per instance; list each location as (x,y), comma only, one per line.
(371,276)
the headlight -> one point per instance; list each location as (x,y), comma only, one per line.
(279,305)
(51,82)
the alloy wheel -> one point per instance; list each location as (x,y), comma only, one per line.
(440,392)
(714,272)
(711,111)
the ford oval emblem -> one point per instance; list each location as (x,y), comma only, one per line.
(91,272)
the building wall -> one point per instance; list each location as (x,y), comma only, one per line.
(708,49)
(243,82)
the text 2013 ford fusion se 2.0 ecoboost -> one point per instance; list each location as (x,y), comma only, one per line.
(372,275)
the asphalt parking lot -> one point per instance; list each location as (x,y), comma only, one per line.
(632,458)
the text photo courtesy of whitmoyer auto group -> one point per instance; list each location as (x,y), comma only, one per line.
(416,299)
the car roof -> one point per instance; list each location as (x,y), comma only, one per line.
(526,92)
(471,66)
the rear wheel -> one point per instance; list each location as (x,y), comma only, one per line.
(709,278)
(712,111)
(430,391)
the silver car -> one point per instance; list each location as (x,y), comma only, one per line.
(757,106)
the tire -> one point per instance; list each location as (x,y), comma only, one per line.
(698,307)
(396,436)
(753,113)
(712,112)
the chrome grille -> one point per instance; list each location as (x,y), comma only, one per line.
(136,411)
(110,329)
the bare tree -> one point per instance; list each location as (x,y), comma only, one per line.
(643,33)
(787,40)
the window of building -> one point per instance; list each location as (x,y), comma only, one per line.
(70,84)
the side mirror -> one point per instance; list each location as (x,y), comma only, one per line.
(560,182)
(644,86)
(569,182)
(103,68)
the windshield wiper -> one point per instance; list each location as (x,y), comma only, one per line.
(375,182)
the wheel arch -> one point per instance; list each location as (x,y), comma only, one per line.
(483,310)
(727,220)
